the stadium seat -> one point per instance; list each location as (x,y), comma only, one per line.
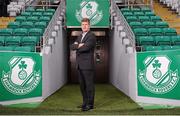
(162,24)
(171,47)
(139,13)
(152,48)
(30,9)
(14,25)
(33,19)
(12,41)
(37,14)
(175,40)
(6,32)
(146,40)
(148,24)
(27,24)
(35,32)
(163,40)
(24,48)
(50,14)
(44,18)
(41,25)
(131,18)
(155,31)
(20,32)
(135,24)
(50,10)
(146,9)
(40,10)
(127,14)
(6,48)
(144,18)
(169,31)
(140,32)
(149,14)
(20,18)
(2,38)
(125,9)
(30,40)
(155,18)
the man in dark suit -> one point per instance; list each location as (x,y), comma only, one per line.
(84,46)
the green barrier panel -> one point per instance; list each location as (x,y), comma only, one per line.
(96,10)
(158,74)
(21,75)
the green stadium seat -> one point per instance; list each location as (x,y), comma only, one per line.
(2,38)
(6,32)
(146,40)
(144,18)
(132,18)
(20,32)
(169,31)
(30,41)
(127,14)
(152,48)
(139,13)
(171,47)
(44,18)
(36,32)
(149,14)
(146,9)
(155,18)
(20,18)
(162,24)
(135,9)
(175,40)
(24,48)
(140,32)
(163,40)
(27,14)
(50,14)
(148,24)
(33,19)
(155,31)
(14,25)
(41,25)
(6,48)
(125,9)
(27,24)
(50,10)
(135,24)
(13,41)
(40,10)
(37,14)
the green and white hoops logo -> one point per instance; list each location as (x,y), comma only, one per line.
(89,9)
(157,76)
(21,79)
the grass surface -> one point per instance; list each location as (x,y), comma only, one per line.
(108,100)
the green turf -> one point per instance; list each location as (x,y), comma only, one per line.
(108,100)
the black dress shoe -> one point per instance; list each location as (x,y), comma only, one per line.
(86,108)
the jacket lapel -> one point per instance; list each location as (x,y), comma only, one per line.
(85,37)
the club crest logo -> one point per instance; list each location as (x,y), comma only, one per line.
(157,76)
(21,79)
(89,9)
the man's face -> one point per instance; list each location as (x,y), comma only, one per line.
(85,26)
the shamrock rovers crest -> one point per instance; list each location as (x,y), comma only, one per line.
(21,79)
(157,77)
(89,9)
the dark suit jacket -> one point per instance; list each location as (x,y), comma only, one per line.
(85,54)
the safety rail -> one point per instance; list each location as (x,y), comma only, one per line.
(121,21)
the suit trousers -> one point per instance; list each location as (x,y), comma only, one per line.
(86,81)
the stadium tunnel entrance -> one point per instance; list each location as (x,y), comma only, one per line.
(100,55)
